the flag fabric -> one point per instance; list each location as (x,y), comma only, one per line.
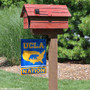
(33,56)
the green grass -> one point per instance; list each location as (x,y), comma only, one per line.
(11,33)
(11,80)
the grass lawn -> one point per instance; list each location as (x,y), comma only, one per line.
(11,80)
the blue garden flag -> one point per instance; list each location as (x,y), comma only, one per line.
(33,56)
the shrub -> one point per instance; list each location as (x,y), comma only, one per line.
(71,47)
(85,28)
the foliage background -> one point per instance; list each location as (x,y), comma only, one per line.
(73,44)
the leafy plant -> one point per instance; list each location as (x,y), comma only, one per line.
(11,33)
(72,44)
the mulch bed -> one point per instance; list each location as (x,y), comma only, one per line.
(65,71)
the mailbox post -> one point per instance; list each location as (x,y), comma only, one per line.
(47,20)
(53,45)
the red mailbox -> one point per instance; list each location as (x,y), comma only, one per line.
(45,19)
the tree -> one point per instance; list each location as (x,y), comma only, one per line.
(72,44)
(85,29)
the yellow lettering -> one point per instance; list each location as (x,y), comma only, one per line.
(35,70)
(30,45)
(35,45)
(32,70)
(24,71)
(25,45)
(41,45)
(29,71)
(42,70)
(38,70)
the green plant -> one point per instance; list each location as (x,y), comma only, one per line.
(12,3)
(72,44)
(85,29)
(85,25)
(71,47)
(12,80)
(11,33)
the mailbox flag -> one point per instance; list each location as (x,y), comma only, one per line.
(33,56)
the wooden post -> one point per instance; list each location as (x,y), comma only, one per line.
(53,80)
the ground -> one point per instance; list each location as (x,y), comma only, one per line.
(65,71)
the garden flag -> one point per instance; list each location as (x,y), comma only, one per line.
(33,56)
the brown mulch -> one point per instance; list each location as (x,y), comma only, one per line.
(65,71)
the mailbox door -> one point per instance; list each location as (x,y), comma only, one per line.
(48,23)
(40,16)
